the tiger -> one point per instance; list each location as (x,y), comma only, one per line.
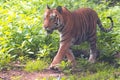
(74,28)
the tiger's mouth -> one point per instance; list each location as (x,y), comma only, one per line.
(49,31)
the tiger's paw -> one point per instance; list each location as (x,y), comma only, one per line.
(54,68)
(92,58)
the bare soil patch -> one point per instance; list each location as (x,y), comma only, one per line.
(23,75)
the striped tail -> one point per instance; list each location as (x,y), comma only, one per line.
(104,29)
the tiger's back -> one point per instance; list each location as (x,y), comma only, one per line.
(85,21)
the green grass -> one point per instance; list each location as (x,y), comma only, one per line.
(35,65)
(88,71)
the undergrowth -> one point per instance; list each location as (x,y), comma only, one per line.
(35,65)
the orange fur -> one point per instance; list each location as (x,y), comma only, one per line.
(74,27)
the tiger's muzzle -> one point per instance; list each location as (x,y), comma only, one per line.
(49,31)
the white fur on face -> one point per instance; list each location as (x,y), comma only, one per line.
(53,14)
(45,14)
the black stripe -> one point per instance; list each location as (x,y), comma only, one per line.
(89,36)
(92,39)
(93,46)
(101,26)
(63,34)
(63,40)
(61,27)
(92,42)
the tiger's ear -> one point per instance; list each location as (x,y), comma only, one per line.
(59,9)
(48,7)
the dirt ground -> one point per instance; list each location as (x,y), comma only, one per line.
(16,72)
(22,75)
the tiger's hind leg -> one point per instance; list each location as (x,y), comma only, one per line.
(93,49)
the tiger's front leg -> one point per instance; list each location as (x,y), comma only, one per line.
(63,49)
(71,58)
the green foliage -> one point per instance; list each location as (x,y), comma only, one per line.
(35,65)
(4,60)
(102,75)
(21,32)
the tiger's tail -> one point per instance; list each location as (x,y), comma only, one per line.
(101,26)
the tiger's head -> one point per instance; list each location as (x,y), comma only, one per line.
(53,19)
